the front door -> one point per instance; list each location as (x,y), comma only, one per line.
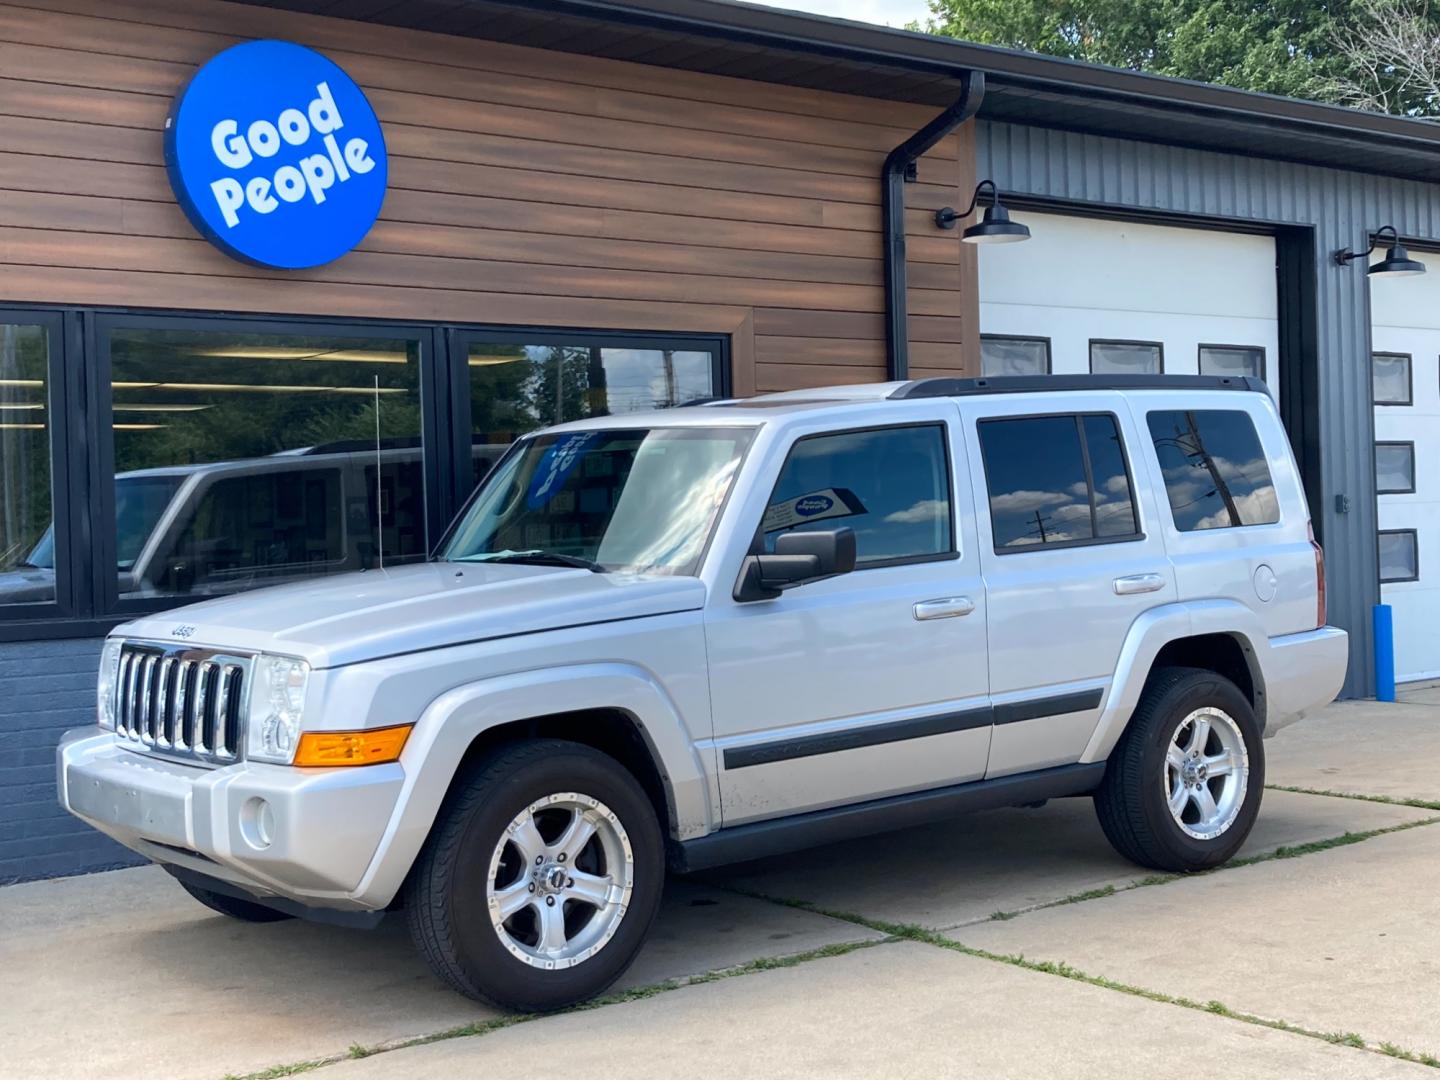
(867,684)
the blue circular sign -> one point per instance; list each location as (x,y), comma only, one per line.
(276,156)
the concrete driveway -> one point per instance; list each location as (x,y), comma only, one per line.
(1009,944)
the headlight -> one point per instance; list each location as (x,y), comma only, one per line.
(277,706)
(105,689)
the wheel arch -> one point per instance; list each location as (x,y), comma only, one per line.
(616,709)
(1220,635)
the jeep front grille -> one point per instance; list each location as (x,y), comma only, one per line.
(181,702)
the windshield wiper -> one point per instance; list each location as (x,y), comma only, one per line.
(539,558)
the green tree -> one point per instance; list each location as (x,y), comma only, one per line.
(1277,46)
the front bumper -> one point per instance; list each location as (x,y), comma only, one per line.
(320,834)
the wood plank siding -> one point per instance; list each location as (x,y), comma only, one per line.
(527,187)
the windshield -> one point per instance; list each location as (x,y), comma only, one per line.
(139,502)
(638,499)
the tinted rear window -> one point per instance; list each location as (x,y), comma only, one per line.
(1216,476)
(1056,480)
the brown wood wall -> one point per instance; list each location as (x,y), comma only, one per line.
(526,187)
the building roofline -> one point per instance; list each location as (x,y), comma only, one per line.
(950,57)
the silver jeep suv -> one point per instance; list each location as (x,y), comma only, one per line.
(719,632)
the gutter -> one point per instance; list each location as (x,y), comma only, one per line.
(900,168)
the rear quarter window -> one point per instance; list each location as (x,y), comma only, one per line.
(1216,475)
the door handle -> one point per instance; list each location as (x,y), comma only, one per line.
(1139,583)
(945,608)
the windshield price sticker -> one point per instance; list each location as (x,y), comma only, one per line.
(557,464)
(276,156)
(814,506)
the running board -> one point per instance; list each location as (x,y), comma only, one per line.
(776,837)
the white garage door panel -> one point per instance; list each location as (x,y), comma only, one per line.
(1405,317)
(1079,279)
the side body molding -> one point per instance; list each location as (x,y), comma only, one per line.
(451,722)
(1150,633)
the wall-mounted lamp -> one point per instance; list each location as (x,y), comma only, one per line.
(994,228)
(1397,261)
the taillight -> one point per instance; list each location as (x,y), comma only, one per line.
(1319,576)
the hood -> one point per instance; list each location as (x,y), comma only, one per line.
(27,585)
(350,618)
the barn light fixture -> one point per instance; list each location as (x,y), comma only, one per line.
(994,228)
(1397,261)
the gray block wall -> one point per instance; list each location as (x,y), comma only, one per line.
(45,688)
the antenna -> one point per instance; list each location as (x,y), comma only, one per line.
(379,504)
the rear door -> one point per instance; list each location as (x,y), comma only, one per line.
(1070,557)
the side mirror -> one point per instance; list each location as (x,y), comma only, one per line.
(800,557)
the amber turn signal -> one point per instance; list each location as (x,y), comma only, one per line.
(326,748)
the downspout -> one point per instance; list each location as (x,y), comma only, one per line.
(898,165)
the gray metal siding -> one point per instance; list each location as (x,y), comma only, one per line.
(1342,207)
(45,688)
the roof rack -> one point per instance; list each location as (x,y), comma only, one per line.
(1023,384)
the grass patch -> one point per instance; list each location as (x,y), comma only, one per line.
(1060,969)
(1388,800)
(1391,1050)
(619,997)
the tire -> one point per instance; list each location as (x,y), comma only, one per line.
(233,906)
(1145,777)
(482,848)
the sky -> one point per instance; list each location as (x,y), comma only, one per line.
(885,12)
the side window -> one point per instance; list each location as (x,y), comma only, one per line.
(1391,378)
(1014,355)
(1215,472)
(256,529)
(1126,357)
(1056,480)
(1238,360)
(891,485)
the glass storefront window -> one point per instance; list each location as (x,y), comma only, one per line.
(27,539)
(248,459)
(516,388)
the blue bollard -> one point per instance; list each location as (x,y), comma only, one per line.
(1384,626)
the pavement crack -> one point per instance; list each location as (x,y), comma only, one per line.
(911,932)
(1388,800)
(1285,851)
(620,997)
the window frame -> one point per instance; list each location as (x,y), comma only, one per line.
(1159,347)
(1030,338)
(1060,545)
(1409,359)
(82,445)
(757,544)
(108,602)
(1413,467)
(67,468)
(1414,535)
(1264,356)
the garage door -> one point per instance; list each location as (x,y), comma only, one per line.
(1405,367)
(1084,294)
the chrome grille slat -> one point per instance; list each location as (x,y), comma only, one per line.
(182,702)
(203,733)
(164,705)
(147,702)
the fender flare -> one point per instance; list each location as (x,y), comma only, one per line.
(1151,632)
(451,722)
